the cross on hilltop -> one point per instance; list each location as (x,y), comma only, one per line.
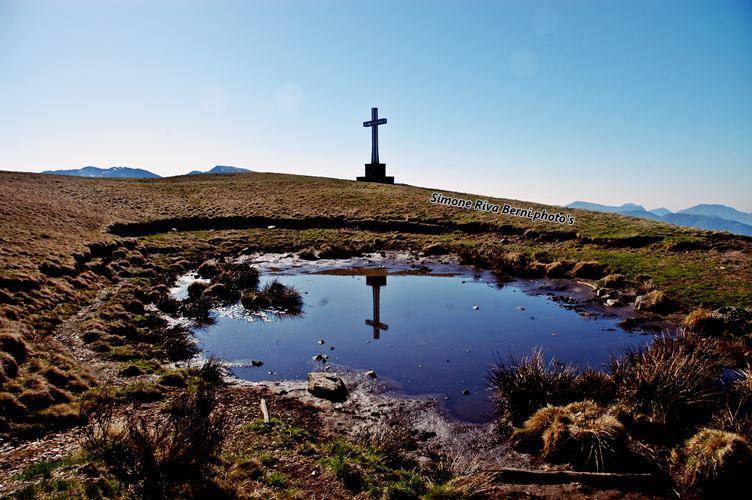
(375,171)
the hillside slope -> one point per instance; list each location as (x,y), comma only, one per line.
(46,219)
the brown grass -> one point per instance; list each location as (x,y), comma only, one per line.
(581,433)
(716,463)
(674,380)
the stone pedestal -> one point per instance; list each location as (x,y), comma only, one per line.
(376,172)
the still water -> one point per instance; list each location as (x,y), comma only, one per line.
(431,335)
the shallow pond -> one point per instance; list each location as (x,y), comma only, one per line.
(430,335)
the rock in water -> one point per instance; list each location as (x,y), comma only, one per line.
(327,386)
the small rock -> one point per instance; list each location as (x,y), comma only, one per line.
(331,348)
(327,386)
(466,392)
(371,374)
(520,308)
(256,362)
(271,227)
(321,357)
(475,308)
(321,341)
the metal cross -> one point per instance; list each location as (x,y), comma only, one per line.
(374,124)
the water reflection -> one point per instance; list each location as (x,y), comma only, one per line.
(441,336)
(376,282)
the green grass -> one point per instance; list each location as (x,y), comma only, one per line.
(364,469)
(278,431)
(44,468)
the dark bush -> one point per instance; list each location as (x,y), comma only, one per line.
(274,295)
(9,365)
(169,455)
(15,346)
(177,344)
(675,380)
(522,387)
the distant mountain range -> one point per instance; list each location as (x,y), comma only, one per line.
(114,172)
(136,173)
(220,169)
(704,216)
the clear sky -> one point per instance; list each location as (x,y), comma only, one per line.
(604,101)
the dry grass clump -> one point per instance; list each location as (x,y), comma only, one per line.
(238,277)
(701,320)
(613,281)
(675,380)
(455,477)
(735,414)
(526,385)
(274,295)
(15,346)
(392,438)
(559,268)
(589,270)
(714,462)
(169,455)
(515,264)
(655,301)
(582,433)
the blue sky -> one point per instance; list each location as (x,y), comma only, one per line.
(598,100)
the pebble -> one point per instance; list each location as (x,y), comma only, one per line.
(321,341)
(371,374)
(256,362)
(466,392)
(475,308)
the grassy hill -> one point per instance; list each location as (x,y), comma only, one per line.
(46,222)
(84,270)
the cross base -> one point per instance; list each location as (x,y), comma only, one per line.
(376,172)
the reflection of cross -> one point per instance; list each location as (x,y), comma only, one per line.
(376,282)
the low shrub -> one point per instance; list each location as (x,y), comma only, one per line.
(714,462)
